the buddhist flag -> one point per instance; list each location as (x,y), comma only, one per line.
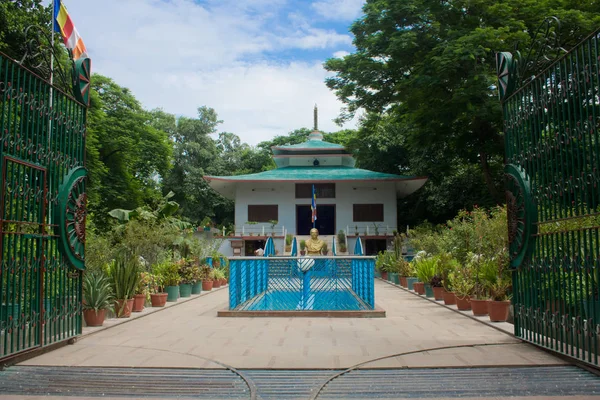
(313,205)
(64,25)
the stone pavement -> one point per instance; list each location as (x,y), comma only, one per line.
(191,336)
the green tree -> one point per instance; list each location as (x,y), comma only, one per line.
(127,157)
(429,68)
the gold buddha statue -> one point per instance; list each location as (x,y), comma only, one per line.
(314,245)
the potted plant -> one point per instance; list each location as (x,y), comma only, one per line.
(97,298)
(250,229)
(302,247)
(324,249)
(382,265)
(426,268)
(438,288)
(169,272)
(273,223)
(447,265)
(124,274)
(141,292)
(197,279)
(404,271)
(343,248)
(341,237)
(186,277)
(485,272)
(158,297)
(499,305)
(288,242)
(355,230)
(207,277)
(217,275)
(462,284)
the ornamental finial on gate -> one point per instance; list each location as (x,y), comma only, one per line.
(39,52)
(515,69)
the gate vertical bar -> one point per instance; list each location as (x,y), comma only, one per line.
(553,196)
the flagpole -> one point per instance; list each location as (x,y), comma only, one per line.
(51,68)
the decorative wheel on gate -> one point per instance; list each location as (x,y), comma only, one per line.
(522,214)
(71,211)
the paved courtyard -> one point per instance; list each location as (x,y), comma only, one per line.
(190,335)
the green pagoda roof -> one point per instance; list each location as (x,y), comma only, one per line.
(310,144)
(405,185)
(337,173)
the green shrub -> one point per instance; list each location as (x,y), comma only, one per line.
(124,273)
(97,291)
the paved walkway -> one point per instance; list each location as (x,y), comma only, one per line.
(191,336)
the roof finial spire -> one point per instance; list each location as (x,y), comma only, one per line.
(316,112)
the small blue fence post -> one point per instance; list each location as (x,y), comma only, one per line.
(371,275)
(232,303)
(265,274)
(305,289)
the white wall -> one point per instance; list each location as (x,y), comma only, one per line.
(284,194)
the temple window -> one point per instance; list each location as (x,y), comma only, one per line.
(263,212)
(323,190)
(367,212)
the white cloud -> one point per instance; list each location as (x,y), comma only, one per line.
(340,54)
(339,10)
(180,55)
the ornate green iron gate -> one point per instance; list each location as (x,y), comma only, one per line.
(552,139)
(42,208)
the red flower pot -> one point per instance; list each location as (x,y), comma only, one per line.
(223,282)
(384,275)
(207,285)
(93,319)
(419,287)
(403,281)
(158,299)
(216,283)
(479,307)
(138,302)
(449,298)
(498,310)
(123,308)
(438,293)
(463,304)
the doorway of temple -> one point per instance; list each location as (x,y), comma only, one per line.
(325,219)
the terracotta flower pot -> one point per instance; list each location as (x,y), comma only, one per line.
(479,307)
(419,287)
(384,275)
(223,282)
(449,298)
(216,283)
(498,310)
(138,302)
(463,304)
(403,281)
(123,308)
(438,293)
(158,299)
(207,285)
(93,319)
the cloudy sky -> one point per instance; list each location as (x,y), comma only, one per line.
(258,63)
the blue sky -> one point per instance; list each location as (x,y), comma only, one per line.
(258,63)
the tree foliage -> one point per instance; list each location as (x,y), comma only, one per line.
(424,71)
(127,157)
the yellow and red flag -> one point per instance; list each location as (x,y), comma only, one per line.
(64,25)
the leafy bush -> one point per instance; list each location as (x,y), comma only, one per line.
(124,273)
(168,272)
(97,291)
(426,268)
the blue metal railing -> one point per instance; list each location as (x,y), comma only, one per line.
(301,283)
